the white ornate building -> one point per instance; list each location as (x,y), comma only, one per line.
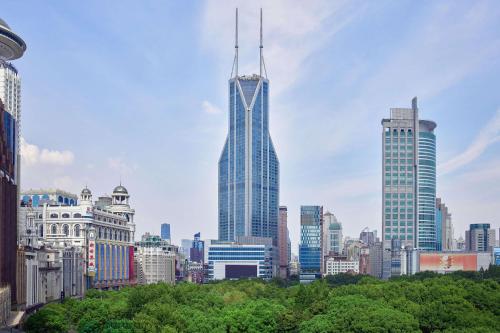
(97,236)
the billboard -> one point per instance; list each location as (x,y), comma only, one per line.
(448,262)
(240,271)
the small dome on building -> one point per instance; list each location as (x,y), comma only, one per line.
(335,226)
(86,191)
(120,190)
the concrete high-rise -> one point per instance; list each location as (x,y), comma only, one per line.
(248,166)
(408,179)
(332,235)
(283,241)
(311,234)
(11,47)
(444,227)
(480,238)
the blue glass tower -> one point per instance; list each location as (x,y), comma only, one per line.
(248,165)
(426,237)
(165,231)
(311,222)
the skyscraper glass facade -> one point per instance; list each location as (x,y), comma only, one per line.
(248,165)
(426,186)
(311,223)
(165,231)
(409,179)
(399,176)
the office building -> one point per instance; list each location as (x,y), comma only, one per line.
(154,260)
(248,165)
(426,176)
(444,227)
(310,247)
(165,232)
(368,237)
(340,264)
(283,242)
(332,235)
(409,179)
(235,260)
(11,47)
(185,248)
(196,253)
(480,238)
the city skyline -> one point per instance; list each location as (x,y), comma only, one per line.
(163,136)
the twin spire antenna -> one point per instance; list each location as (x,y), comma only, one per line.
(262,65)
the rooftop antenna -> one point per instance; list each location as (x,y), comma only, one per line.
(235,62)
(261,46)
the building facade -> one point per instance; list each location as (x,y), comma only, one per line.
(197,248)
(154,260)
(339,264)
(332,235)
(99,238)
(426,177)
(368,237)
(444,227)
(480,238)
(408,179)
(235,260)
(310,247)
(248,165)
(283,242)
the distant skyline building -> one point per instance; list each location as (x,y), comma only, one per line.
(197,248)
(310,247)
(165,231)
(444,227)
(409,179)
(248,165)
(332,235)
(283,242)
(368,237)
(480,238)
(185,248)
(154,260)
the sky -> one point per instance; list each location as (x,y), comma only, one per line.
(136,91)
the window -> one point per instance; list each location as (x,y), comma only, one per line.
(53,229)
(66,230)
(65,216)
(41,231)
(77,215)
(77,230)
(54,216)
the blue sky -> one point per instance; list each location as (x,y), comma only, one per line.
(137,90)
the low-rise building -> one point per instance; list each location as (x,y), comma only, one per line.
(154,260)
(340,264)
(235,260)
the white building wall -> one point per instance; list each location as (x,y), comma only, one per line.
(341,266)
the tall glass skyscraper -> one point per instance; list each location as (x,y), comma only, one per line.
(426,186)
(310,247)
(248,165)
(165,231)
(409,179)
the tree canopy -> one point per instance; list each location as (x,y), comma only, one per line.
(426,302)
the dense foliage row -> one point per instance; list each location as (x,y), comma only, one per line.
(460,302)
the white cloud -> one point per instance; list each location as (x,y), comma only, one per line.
(119,165)
(487,136)
(32,155)
(210,108)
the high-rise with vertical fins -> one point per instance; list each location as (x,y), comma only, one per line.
(248,165)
